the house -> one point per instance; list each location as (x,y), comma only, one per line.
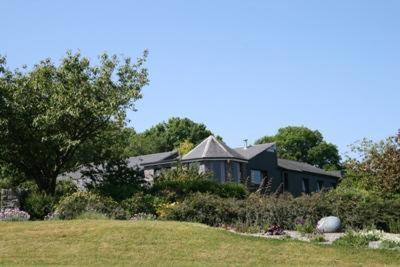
(247,165)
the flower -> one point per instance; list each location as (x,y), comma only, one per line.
(13,215)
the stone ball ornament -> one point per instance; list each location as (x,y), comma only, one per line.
(329,224)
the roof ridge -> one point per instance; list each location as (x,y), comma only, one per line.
(211,147)
(193,149)
(207,146)
(220,144)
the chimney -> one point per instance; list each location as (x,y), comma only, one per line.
(245,143)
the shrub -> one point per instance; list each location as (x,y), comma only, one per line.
(356,209)
(304,226)
(65,188)
(353,239)
(70,207)
(38,205)
(312,207)
(183,173)
(202,208)
(141,203)
(177,190)
(271,210)
(359,209)
(376,167)
(115,179)
(394,226)
(165,210)
(13,215)
(232,190)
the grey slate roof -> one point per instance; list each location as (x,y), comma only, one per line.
(212,148)
(252,151)
(305,167)
(146,159)
(133,162)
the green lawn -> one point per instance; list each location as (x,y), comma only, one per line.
(107,242)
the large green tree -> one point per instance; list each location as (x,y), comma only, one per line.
(169,135)
(303,144)
(49,112)
(374,166)
(113,143)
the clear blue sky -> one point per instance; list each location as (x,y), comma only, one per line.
(244,68)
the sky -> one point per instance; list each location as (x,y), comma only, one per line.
(243,68)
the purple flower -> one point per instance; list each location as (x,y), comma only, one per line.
(13,215)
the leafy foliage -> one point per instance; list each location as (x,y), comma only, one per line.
(203,208)
(64,188)
(114,142)
(78,203)
(359,209)
(262,210)
(305,227)
(185,147)
(353,239)
(303,144)
(183,173)
(356,211)
(9,176)
(47,113)
(38,205)
(178,183)
(167,136)
(141,203)
(178,190)
(376,167)
(114,179)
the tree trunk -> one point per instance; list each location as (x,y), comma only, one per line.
(47,184)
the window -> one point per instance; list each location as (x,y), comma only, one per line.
(320,185)
(256,176)
(235,170)
(285,181)
(306,186)
(218,169)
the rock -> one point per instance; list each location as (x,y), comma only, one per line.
(329,224)
(9,199)
(374,244)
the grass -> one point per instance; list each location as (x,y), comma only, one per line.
(109,242)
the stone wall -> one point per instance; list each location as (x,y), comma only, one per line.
(10,199)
